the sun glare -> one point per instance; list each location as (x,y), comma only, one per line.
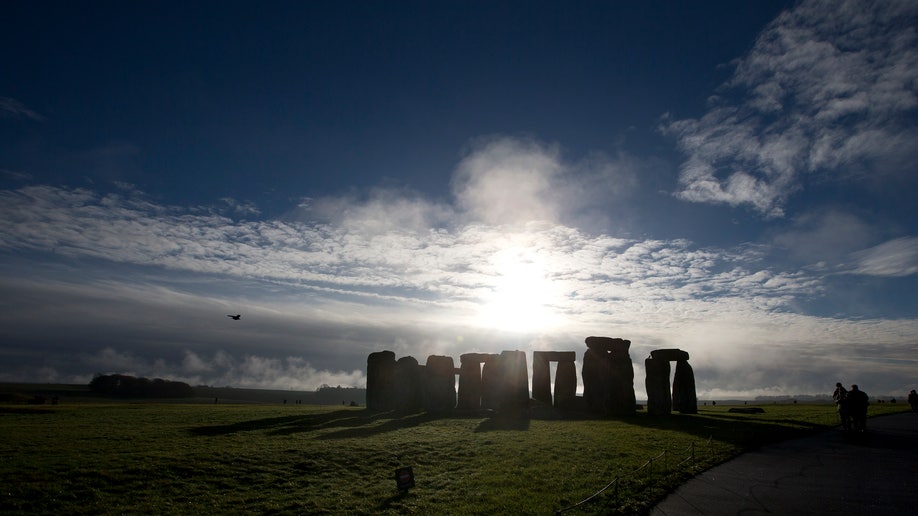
(520,300)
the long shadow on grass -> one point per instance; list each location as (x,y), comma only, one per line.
(396,423)
(742,430)
(286,425)
(345,424)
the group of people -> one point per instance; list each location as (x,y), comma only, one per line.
(852,407)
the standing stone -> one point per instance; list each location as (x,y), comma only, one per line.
(513,382)
(381,380)
(685,400)
(566,384)
(659,401)
(439,384)
(469,381)
(408,385)
(621,401)
(541,377)
(608,376)
(565,377)
(596,373)
(490,383)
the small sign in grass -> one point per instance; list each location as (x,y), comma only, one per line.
(404,478)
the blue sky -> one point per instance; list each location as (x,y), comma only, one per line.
(735,179)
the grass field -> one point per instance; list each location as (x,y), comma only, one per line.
(101,458)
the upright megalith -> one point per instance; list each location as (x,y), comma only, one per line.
(512,389)
(622,401)
(471,388)
(439,384)
(659,398)
(408,385)
(608,376)
(565,377)
(490,383)
(381,380)
(541,377)
(685,399)
(596,373)
(566,383)
(656,382)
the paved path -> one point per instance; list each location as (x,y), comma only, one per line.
(820,474)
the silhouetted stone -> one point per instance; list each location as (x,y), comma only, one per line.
(541,376)
(659,401)
(513,382)
(409,385)
(684,398)
(470,380)
(381,380)
(566,384)
(608,344)
(596,373)
(439,384)
(621,400)
(490,383)
(669,355)
(608,376)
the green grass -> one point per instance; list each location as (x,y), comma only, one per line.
(97,458)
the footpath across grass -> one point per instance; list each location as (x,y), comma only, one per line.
(98,458)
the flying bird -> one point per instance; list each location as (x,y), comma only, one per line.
(234,317)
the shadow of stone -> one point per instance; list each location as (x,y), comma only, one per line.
(744,430)
(18,410)
(291,424)
(397,423)
(392,502)
(505,422)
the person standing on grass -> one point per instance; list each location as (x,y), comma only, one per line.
(840,396)
(913,400)
(857,405)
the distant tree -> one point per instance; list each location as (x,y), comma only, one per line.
(129,386)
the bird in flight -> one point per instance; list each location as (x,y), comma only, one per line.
(234,317)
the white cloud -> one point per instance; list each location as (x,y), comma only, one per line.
(827,89)
(509,181)
(894,258)
(513,181)
(384,211)
(149,285)
(243,208)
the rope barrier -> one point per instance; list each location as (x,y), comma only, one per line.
(649,465)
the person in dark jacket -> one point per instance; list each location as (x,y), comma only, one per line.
(857,405)
(840,396)
(913,400)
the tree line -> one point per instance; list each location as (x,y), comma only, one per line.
(124,385)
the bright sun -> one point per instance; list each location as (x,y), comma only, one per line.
(520,299)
